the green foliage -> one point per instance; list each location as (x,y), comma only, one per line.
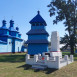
(65,10)
(65,41)
(17,57)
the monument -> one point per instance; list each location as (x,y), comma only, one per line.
(55,43)
(51,59)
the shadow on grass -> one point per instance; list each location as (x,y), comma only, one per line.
(46,71)
(26,67)
(50,70)
(12,58)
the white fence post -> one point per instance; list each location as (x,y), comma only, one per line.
(66,58)
(39,56)
(58,61)
(43,54)
(46,58)
(27,56)
(72,58)
(35,58)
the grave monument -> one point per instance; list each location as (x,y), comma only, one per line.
(51,59)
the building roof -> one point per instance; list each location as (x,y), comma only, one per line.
(4,27)
(42,41)
(12,29)
(3,42)
(37,31)
(5,35)
(38,19)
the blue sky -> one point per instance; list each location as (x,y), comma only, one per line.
(22,11)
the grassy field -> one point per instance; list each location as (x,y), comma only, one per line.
(13,65)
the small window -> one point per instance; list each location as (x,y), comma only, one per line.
(9,42)
(41,24)
(33,24)
(37,24)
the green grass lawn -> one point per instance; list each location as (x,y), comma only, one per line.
(13,65)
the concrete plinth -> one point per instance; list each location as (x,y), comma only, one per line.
(55,42)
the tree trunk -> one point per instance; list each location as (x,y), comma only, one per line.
(72,44)
(72,49)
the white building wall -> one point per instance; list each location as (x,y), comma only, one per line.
(9,45)
(18,45)
(3,48)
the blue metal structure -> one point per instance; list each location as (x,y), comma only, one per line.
(10,38)
(37,36)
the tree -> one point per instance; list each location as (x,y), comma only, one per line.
(65,40)
(65,10)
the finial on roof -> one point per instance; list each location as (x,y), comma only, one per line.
(17,28)
(38,12)
(4,23)
(11,23)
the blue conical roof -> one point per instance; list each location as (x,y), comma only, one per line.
(38,19)
(4,25)
(11,28)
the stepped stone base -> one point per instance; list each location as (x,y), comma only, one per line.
(38,66)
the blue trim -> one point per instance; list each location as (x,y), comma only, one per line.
(37,31)
(2,42)
(4,27)
(42,41)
